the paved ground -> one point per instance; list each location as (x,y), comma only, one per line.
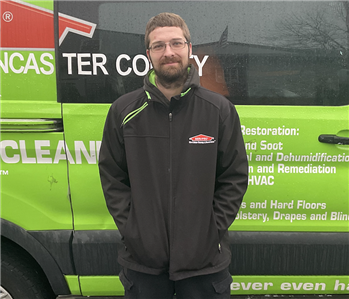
(241,297)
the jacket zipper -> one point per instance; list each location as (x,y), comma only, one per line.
(170,193)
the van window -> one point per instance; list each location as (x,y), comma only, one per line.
(296,56)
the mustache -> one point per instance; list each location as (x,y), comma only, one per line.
(169,60)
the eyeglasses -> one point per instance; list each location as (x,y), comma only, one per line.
(175,44)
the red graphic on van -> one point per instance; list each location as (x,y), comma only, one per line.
(27,26)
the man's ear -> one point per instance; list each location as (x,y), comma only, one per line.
(190,49)
(148,55)
(149,58)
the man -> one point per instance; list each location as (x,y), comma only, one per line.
(173,169)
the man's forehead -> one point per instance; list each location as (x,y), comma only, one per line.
(166,34)
(172,40)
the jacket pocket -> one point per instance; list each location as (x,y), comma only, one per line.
(125,281)
(145,242)
(223,286)
(217,235)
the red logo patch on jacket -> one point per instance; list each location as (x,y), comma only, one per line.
(201,139)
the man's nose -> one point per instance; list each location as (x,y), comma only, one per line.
(168,50)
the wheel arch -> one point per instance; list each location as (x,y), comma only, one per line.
(42,257)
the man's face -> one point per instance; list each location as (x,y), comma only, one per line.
(170,65)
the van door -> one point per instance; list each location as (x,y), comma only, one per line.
(33,165)
(36,216)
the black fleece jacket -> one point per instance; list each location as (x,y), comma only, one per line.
(173,174)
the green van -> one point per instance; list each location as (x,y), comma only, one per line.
(284,64)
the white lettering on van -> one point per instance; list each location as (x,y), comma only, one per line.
(200,64)
(7,16)
(3,65)
(9,143)
(98,61)
(46,63)
(81,148)
(134,68)
(70,63)
(307,286)
(81,63)
(340,285)
(24,155)
(246,286)
(99,64)
(31,64)
(118,68)
(17,64)
(21,58)
(261,180)
(134,65)
(98,147)
(62,146)
(43,152)
(124,64)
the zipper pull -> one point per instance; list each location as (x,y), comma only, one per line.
(170,116)
(219,247)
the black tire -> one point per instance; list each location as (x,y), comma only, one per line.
(21,277)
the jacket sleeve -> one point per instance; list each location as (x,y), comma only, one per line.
(113,170)
(232,172)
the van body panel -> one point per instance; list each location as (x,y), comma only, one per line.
(83,126)
(296,183)
(242,285)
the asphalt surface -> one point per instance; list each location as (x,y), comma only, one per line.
(346,296)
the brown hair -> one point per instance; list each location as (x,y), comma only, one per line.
(166,19)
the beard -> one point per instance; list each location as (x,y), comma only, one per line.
(171,76)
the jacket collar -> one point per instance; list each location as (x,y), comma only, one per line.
(154,94)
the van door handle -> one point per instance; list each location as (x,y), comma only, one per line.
(334,139)
(20,125)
